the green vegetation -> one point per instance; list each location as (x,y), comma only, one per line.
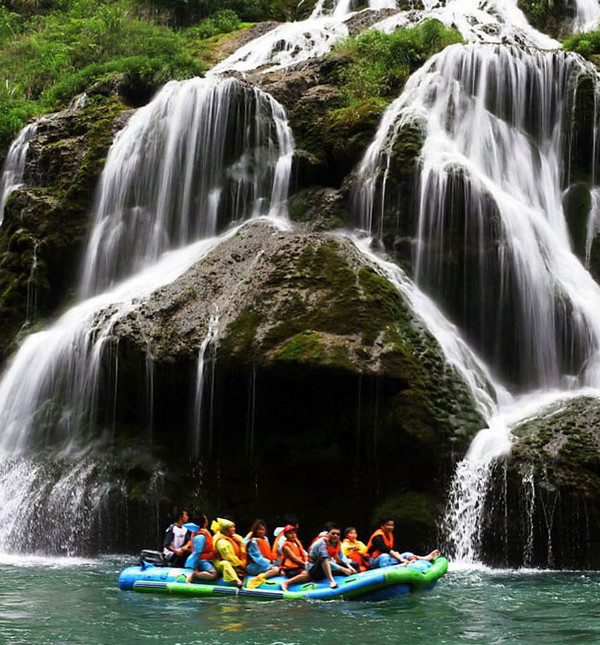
(379,64)
(586,44)
(363,75)
(52,50)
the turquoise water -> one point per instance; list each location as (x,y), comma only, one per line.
(70,602)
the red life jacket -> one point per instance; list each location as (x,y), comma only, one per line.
(264,548)
(208,550)
(388,540)
(297,549)
(334,551)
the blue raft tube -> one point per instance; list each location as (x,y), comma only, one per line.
(375,584)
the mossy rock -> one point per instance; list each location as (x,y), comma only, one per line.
(553,17)
(416,515)
(564,443)
(50,216)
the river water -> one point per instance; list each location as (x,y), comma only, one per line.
(75,601)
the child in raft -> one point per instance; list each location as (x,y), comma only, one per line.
(293,556)
(355,550)
(229,551)
(259,554)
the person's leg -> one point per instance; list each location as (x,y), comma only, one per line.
(229,573)
(301,577)
(383,560)
(271,573)
(254,569)
(203,571)
(326,564)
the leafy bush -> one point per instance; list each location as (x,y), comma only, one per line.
(187,12)
(46,58)
(587,44)
(379,64)
(221,22)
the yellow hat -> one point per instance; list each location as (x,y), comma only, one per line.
(220,524)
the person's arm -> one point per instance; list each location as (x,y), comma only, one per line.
(379,545)
(347,548)
(168,543)
(344,559)
(227,553)
(288,553)
(382,547)
(197,543)
(255,553)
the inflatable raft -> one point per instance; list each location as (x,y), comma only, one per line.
(376,584)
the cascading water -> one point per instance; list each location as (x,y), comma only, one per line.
(296,42)
(14,165)
(587,15)
(491,240)
(204,356)
(202,154)
(536,317)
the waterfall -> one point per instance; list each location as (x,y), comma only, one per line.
(489,187)
(205,352)
(14,165)
(490,237)
(203,153)
(587,15)
(296,42)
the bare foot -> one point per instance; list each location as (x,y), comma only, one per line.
(190,578)
(239,584)
(284,585)
(333,584)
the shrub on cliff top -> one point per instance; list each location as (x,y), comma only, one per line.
(381,63)
(50,54)
(587,44)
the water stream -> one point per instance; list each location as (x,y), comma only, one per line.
(14,165)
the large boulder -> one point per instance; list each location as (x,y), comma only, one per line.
(319,375)
(546,508)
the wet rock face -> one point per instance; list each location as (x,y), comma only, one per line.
(318,369)
(548,491)
(552,17)
(46,222)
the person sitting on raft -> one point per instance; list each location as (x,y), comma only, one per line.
(293,556)
(176,543)
(202,553)
(381,547)
(355,550)
(279,534)
(259,553)
(229,551)
(325,559)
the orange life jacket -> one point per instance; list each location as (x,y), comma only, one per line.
(237,548)
(297,549)
(263,546)
(388,540)
(208,550)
